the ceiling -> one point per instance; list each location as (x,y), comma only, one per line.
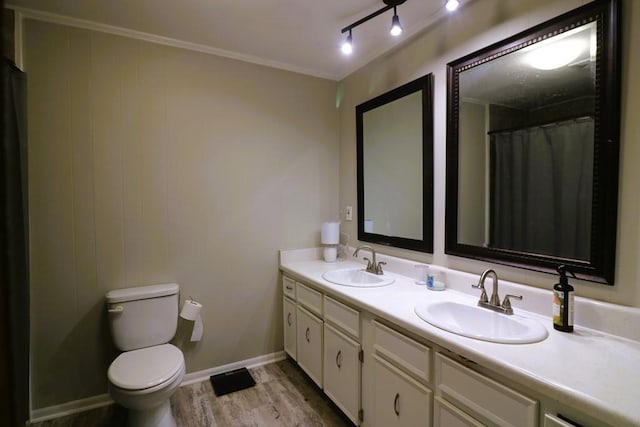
(297,35)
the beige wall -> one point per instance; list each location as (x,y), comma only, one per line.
(152,164)
(479,24)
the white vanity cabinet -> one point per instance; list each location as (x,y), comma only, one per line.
(323,336)
(342,371)
(472,399)
(553,421)
(289,315)
(309,331)
(309,340)
(402,372)
(342,357)
(446,414)
(399,399)
(290,328)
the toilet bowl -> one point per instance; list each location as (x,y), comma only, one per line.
(143,377)
(144,380)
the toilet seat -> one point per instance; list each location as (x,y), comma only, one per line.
(146,368)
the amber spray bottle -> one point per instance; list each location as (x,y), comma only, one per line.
(563,302)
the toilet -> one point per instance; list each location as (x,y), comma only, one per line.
(142,321)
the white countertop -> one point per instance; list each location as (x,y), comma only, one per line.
(593,371)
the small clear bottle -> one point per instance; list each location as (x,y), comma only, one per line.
(435,281)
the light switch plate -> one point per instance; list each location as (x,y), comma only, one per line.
(349,213)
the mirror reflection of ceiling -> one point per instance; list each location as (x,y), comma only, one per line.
(512,81)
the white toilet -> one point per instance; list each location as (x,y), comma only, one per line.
(142,379)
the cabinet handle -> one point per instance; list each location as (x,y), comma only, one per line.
(396,404)
(289,319)
(306,335)
(289,288)
(339,359)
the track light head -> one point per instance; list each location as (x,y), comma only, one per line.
(452,5)
(396,28)
(347,45)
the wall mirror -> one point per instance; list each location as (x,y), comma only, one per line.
(532,147)
(395,167)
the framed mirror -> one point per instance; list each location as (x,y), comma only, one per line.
(395,167)
(533,145)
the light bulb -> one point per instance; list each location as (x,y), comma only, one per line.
(396,28)
(452,5)
(347,46)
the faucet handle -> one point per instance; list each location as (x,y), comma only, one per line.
(506,303)
(483,295)
(369,264)
(379,267)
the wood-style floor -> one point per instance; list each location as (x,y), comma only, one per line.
(283,396)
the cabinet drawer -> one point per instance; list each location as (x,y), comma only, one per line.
(289,287)
(482,396)
(310,298)
(407,353)
(342,316)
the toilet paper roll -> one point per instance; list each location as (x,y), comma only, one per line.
(190,310)
(196,335)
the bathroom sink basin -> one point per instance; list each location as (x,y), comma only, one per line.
(357,277)
(481,323)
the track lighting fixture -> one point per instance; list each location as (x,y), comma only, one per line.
(452,5)
(396,28)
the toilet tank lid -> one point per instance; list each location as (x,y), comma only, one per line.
(141,292)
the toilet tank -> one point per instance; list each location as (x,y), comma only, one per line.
(143,316)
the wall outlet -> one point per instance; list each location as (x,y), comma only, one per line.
(348,215)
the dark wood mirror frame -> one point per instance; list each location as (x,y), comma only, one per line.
(424,86)
(600,267)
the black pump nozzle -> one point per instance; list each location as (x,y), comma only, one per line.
(562,271)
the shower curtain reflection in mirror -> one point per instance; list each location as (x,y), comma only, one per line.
(541,189)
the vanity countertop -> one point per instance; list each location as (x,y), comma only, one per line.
(590,370)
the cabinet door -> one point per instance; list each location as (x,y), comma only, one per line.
(447,415)
(289,313)
(309,343)
(342,371)
(399,399)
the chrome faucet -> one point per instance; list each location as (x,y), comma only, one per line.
(372,266)
(494,302)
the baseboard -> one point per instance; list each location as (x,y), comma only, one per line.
(73,407)
(195,377)
(69,408)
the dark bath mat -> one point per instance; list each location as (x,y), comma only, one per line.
(228,382)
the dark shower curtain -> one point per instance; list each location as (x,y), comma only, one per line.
(15,239)
(541,189)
